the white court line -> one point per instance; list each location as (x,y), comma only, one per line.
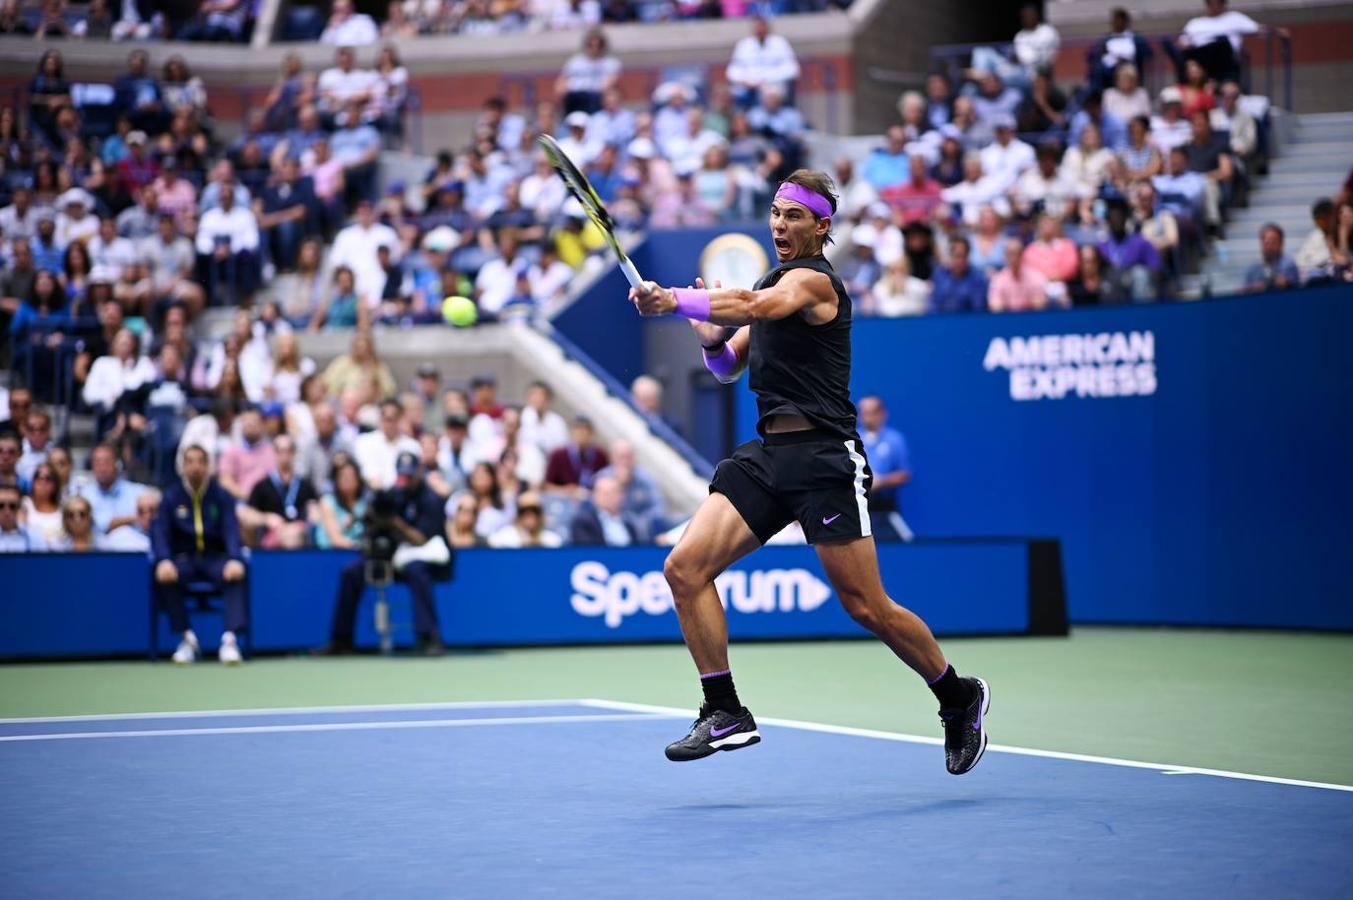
(327,726)
(293,710)
(1163,768)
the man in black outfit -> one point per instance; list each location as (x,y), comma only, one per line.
(417,519)
(793,332)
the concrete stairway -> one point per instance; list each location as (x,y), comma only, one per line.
(1312,164)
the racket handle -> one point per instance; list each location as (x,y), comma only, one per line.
(631,274)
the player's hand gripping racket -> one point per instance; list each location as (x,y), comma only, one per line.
(582,190)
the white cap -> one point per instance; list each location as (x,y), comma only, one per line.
(1171,94)
(642,148)
(76,195)
(864,236)
(576,119)
(441,239)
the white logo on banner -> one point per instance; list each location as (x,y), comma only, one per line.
(1056,366)
(614,596)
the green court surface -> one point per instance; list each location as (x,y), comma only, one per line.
(1258,702)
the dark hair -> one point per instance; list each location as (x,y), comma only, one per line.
(819,183)
(1143,121)
(11,489)
(1323,207)
(1274,227)
(198,448)
(960,239)
(389,402)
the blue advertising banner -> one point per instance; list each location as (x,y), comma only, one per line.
(1191,458)
(515,597)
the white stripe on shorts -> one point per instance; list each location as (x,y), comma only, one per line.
(860,499)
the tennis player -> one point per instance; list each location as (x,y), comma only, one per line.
(793,332)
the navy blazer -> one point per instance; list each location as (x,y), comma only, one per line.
(196,526)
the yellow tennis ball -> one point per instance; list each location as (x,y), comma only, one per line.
(460,311)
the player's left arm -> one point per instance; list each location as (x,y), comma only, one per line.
(804,291)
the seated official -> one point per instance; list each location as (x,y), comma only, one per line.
(196,537)
(415,521)
(891,469)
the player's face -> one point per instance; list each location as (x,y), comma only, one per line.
(795,230)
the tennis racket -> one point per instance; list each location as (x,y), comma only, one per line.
(583,192)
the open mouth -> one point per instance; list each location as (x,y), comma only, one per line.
(782,244)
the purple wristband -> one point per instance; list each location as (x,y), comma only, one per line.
(722,362)
(692,303)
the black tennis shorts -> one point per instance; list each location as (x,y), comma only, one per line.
(814,477)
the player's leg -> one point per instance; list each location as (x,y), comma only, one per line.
(716,538)
(852,568)
(739,515)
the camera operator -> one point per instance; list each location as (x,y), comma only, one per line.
(404,532)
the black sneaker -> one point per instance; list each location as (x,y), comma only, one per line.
(965,737)
(714,731)
(336,647)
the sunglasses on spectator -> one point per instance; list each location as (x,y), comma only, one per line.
(76,514)
(44,476)
(9,504)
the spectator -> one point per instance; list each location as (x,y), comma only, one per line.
(111,252)
(958,286)
(356,146)
(1120,46)
(1127,99)
(171,260)
(1159,226)
(376,452)
(1213,41)
(1275,271)
(455,452)
(282,505)
(248,460)
(37,332)
(1052,253)
(1036,42)
(1044,109)
(993,101)
(16,282)
(1187,190)
(37,443)
(15,537)
(856,193)
(891,465)
(76,221)
(227,239)
(284,213)
(19,220)
(497,278)
(319,452)
(1112,129)
(138,95)
(1196,90)
(916,199)
(1007,157)
(1141,159)
(1047,187)
(647,394)
(355,247)
(42,506)
(358,366)
(862,269)
(900,293)
(196,538)
(1087,164)
(1316,254)
(571,468)
(1210,156)
(587,75)
(540,424)
(603,522)
(888,165)
(415,514)
(1232,118)
(460,525)
(575,14)
(77,528)
(529,528)
(12,20)
(11,444)
(342,511)
(483,484)
(1133,265)
(611,125)
(761,60)
(1088,288)
(135,537)
(1017,288)
(1171,129)
(48,92)
(348,29)
(681,207)
(217,20)
(976,192)
(183,92)
(342,306)
(642,501)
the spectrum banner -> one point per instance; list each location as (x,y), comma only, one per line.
(525,597)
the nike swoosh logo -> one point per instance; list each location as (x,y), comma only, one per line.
(826,521)
(720,732)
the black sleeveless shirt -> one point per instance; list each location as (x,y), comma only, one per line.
(795,367)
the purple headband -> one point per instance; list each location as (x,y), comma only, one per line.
(811,199)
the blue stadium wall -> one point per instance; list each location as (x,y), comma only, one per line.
(1193,459)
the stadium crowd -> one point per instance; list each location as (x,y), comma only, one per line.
(998,191)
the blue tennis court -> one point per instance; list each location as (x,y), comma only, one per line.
(562,798)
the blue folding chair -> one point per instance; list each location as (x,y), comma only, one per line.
(200,597)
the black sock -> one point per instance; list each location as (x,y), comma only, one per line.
(720,693)
(952,692)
